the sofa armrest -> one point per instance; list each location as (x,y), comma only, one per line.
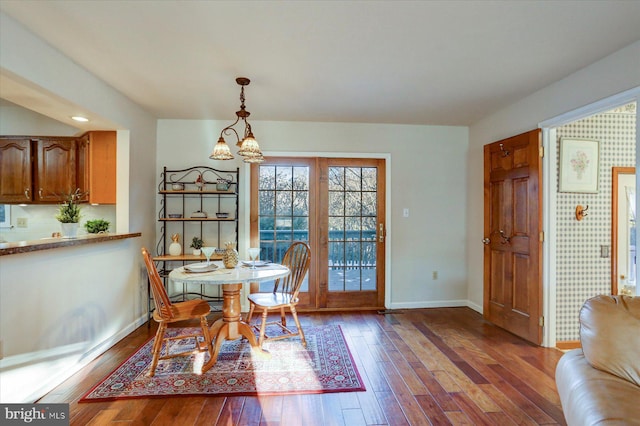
(593,397)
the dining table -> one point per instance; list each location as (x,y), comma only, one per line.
(230,326)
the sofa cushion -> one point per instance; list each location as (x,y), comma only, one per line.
(593,397)
(610,335)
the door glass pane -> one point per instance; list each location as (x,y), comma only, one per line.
(352,228)
(283,198)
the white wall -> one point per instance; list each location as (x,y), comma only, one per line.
(62,307)
(611,75)
(427,175)
(15,120)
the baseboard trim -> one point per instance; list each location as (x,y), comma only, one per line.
(436,304)
(568,344)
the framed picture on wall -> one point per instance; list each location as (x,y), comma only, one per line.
(579,165)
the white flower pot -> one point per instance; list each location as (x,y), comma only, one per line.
(69,230)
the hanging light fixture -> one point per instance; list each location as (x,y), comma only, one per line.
(249,148)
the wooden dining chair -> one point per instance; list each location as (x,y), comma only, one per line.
(167,313)
(284,294)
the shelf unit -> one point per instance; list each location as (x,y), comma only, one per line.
(196,192)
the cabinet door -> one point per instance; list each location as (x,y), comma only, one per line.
(15,170)
(56,169)
(102,167)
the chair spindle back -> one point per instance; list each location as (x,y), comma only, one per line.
(160,297)
(297,259)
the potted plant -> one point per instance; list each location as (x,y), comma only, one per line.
(196,244)
(97,226)
(69,213)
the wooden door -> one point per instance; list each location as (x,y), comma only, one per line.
(56,166)
(15,170)
(513,235)
(352,233)
(284,210)
(338,207)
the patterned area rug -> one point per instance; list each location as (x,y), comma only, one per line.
(325,365)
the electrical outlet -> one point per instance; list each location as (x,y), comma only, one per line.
(434,275)
(21,222)
(405,212)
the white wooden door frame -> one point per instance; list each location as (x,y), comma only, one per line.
(550,183)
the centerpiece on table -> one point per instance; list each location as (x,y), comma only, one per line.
(69,213)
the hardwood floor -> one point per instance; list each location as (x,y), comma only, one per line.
(444,366)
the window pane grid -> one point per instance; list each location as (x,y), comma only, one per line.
(352,231)
(283,216)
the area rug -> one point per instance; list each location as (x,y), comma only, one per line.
(325,365)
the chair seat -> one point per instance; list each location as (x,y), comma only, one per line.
(284,295)
(271,300)
(186,310)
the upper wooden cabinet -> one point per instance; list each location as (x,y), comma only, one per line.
(56,169)
(15,170)
(42,170)
(97,167)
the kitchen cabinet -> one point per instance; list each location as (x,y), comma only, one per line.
(43,169)
(56,169)
(37,170)
(15,170)
(97,167)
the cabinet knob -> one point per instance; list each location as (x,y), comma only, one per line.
(40,192)
(27,194)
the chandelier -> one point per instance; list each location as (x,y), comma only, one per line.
(249,148)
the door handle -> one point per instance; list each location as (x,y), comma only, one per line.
(486,241)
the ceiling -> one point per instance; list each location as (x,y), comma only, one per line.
(405,62)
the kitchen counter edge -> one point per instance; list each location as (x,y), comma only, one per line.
(18,247)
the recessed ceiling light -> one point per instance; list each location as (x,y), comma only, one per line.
(80,118)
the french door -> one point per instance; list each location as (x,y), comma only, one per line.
(336,205)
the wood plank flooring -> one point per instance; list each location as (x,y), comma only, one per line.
(444,366)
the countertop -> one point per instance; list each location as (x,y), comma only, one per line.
(52,243)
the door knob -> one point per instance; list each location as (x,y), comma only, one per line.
(486,241)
